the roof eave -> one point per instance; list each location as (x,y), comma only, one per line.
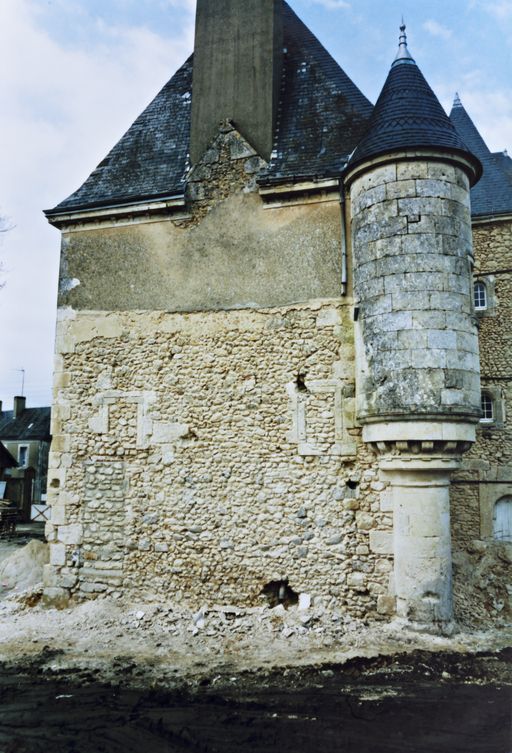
(143,205)
(481,219)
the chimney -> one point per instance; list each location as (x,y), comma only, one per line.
(237,71)
(19,406)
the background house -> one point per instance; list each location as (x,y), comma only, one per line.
(25,434)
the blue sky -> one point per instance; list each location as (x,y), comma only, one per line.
(76,73)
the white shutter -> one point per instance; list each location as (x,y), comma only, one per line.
(502,519)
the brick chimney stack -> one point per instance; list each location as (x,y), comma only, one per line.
(19,406)
(237,71)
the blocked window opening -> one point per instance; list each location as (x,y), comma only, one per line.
(480,296)
(279,592)
(502,520)
(487,405)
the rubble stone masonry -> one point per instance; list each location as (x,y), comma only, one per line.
(482,564)
(206,455)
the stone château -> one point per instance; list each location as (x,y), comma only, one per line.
(282,355)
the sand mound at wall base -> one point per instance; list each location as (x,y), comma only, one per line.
(24,567)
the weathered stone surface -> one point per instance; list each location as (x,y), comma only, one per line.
(413,280)
(57,554)
(70,534)
(381,542)
(239,503)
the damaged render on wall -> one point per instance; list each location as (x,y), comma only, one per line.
(268,362)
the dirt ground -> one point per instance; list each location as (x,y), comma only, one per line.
(167,643)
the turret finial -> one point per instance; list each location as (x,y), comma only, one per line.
(456,100)
(403,55)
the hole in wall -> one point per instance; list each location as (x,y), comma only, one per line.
(301,382)
(279,592)
(352,484)
(55,483)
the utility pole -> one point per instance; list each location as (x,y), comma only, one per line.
(22,381)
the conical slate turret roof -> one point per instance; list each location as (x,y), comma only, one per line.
(493,193)
(408,116)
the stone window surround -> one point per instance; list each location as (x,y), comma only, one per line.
(489,281)
(495,393)
(342,395)
(490,494)
(508,537)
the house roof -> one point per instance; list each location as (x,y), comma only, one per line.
(322,116)
(408,115)
(322,113)
(492,195)
(6,459)
(31,424)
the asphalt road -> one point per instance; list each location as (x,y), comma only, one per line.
(364,707)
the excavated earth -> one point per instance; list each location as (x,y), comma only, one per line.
(112,676)
(418,702)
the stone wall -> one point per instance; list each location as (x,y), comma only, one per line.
(204,456)
(481,563)
(488,466)
(411,237)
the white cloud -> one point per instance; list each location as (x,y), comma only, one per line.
(501,10)
(333,4)
(63,108)
(490,110)
(436,29)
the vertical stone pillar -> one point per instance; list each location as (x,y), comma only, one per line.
(421,539)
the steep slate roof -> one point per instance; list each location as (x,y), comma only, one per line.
(150,160)
(493,193)
(32,424)
(6,459)
(408,115)
(322,115)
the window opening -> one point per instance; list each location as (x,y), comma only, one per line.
(502,520)
(480,296)
(22,455)
(487,407)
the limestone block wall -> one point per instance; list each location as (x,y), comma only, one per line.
(411,238)
(199,457)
